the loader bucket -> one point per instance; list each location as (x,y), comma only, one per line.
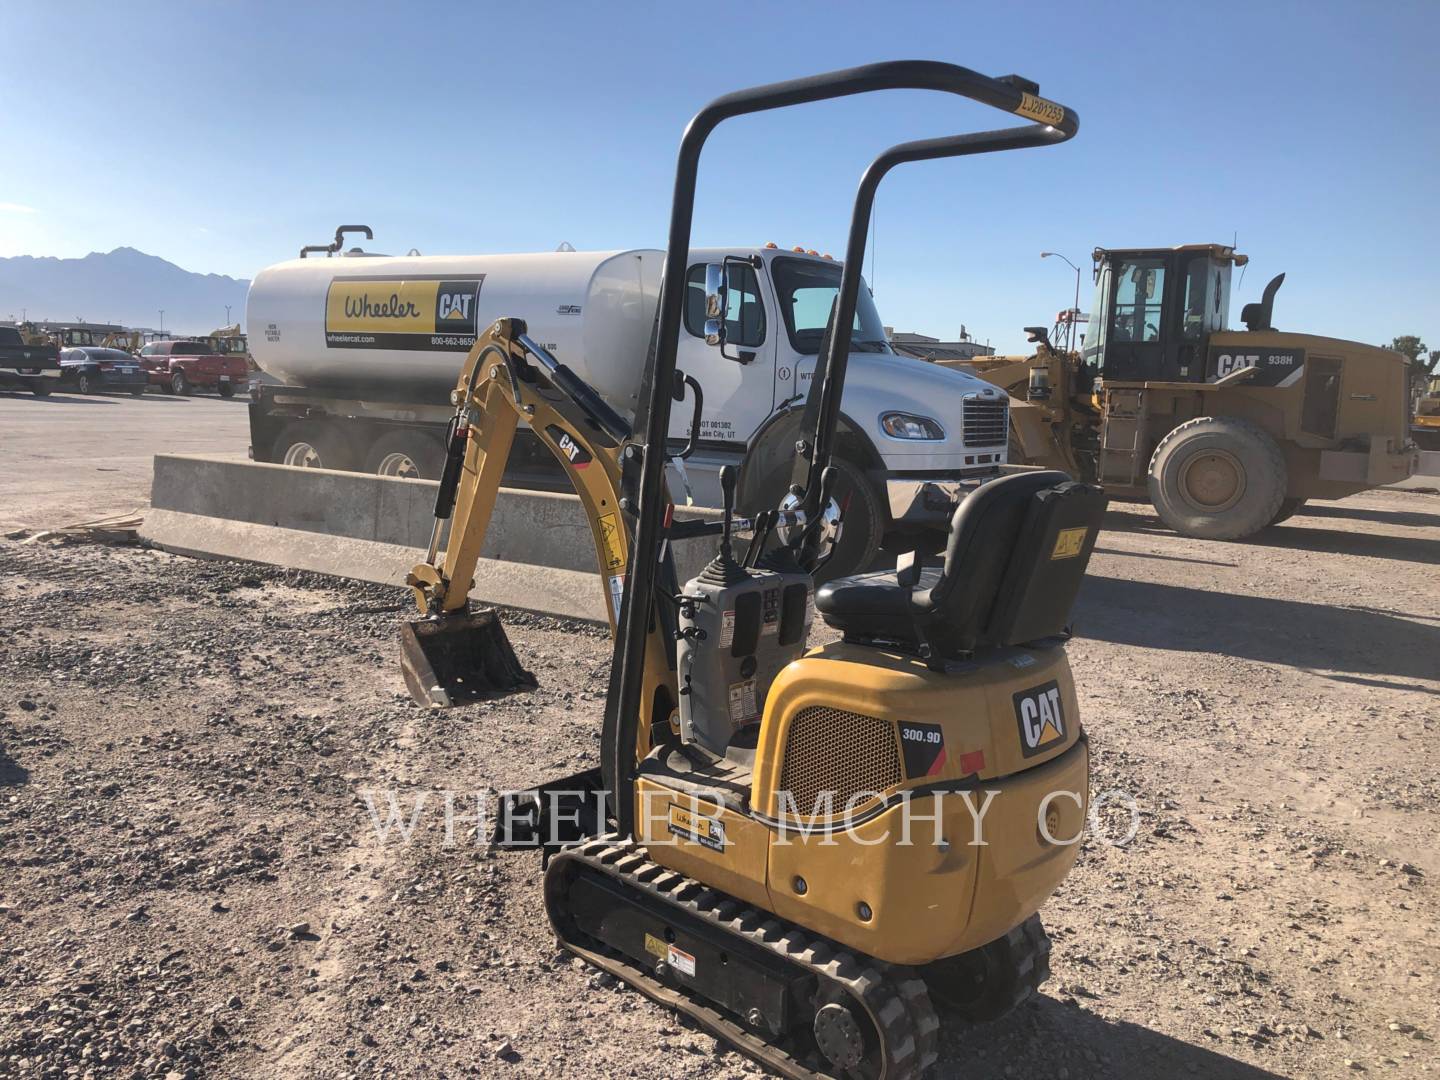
(460,658)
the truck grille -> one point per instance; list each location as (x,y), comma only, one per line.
(986,423)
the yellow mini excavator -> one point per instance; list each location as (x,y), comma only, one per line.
(818,854)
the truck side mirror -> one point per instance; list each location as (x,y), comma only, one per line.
(716,299)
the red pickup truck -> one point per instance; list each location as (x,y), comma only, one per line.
(180,366)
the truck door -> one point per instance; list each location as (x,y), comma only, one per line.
(739,393)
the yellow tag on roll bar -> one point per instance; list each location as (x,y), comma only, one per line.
(1034,107)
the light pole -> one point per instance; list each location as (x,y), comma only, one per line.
(162,319)
(1075,311)
(227,314)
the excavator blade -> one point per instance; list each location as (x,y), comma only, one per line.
(460,658)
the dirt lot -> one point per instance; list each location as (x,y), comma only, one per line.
(191,884)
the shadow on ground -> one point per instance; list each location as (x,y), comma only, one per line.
(12,773)
(1061,1034)
(1355,640)
(1296,537)
(1344,511)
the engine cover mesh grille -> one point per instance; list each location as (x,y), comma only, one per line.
(844,752)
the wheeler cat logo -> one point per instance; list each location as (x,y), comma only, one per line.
(1041,716)
(427,312)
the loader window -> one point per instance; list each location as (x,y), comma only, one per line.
(1202,285)
(1139,292)
(745,314)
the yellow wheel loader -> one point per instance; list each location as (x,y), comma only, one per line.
(1224,431)
(821,855)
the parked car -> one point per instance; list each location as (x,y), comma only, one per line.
(94,370)
(24,366)
(187,364)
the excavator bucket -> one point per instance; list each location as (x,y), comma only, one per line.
(460,658)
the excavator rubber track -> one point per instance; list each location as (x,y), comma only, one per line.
(895,1037)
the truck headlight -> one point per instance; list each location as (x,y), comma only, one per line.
(899,425)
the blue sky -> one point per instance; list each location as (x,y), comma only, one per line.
(222,136)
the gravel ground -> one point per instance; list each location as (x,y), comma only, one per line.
(191,883)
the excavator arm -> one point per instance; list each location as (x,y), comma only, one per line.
(451,654)
(497,389)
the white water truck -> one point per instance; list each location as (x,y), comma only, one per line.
(366,348)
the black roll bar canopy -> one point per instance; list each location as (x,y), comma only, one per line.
(1053,123)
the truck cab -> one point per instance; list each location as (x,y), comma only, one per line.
(914,432)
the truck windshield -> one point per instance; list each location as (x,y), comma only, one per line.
(192,348)
(806,292)
(10,336)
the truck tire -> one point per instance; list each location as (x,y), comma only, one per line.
(1288,509)
(414,455)
(1217,478)
(137,391)
(307,445)
(179,384)
(862,523)
(40,387)
(227,390)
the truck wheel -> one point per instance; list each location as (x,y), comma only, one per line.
(413,455)
(1217,478)
(40,387)
(862,522)
(137,391)
(179,384)
(1288,509)
(308,445)
(227,390)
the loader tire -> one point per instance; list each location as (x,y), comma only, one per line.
(988,982)
(1288,509)
(1217,478)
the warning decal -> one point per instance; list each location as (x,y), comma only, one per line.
(610,541)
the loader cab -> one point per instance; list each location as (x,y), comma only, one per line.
(1155,309)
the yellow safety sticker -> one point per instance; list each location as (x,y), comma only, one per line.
(1036,108)
(655,947)
(1069,543)
(610,539)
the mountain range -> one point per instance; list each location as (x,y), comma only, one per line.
(122,286)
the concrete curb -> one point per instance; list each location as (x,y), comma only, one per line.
(538,552)
(547,590)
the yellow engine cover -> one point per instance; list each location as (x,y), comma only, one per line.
(870,774)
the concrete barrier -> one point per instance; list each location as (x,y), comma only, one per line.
(538,552)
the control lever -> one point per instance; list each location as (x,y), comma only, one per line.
(811,534)
(727,494)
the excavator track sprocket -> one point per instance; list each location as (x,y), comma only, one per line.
(839,1015)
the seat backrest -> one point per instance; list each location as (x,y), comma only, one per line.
(984,533)
(1047,564)
(1017,553)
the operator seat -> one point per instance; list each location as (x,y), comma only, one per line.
(1016,554)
